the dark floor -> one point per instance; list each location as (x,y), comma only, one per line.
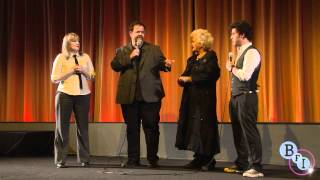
(41,168)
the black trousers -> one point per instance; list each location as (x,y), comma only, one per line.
(244,113)
(148,113)
(65,104)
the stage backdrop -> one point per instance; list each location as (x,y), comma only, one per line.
(285,32)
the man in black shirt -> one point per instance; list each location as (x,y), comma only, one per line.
(140,92)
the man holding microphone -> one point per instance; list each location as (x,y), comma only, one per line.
(244,102)
(140,92)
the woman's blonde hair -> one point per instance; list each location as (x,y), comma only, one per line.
(65,49)
(202,37)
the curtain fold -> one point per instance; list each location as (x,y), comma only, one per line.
(285,32)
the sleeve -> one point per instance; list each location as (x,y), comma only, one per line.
(90,70)
(162,59)
(186,72)
(56,73)
(251,61)
(121,61)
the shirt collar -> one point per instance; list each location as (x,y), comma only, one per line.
(72,54)
(244,46)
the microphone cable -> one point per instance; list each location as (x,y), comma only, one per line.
(120,149)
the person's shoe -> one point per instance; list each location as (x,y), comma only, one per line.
(131,164)
(61,165)
(194,164)
(252,173)
(232,169)
(85,164)
(153,164)
(208,167)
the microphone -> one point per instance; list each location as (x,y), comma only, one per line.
(139,42)
(137,45)
(230,56)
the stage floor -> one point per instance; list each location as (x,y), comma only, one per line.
(39,168)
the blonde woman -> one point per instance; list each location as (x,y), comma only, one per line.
(71,70)
(198,124)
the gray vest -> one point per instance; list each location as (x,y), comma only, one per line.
(241,87)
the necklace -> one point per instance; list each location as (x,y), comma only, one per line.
(201,55)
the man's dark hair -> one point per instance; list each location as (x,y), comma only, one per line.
(134,23)
(243,28)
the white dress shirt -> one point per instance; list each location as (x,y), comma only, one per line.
(251,61)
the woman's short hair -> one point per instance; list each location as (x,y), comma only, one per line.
(202,37)
(65,49)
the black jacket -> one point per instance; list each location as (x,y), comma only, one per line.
(198,125)
(152,62)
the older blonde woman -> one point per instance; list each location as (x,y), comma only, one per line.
(198,124)
(71,69)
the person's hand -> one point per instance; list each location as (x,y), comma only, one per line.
(135,53)
(79,69)
(184,79)
(168,62)
(228,65)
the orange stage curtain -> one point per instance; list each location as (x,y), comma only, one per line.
(285,32)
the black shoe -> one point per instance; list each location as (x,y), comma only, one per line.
(208,167)
(153,164)
(131,164)
(61,165)
(85,164)
(194,164)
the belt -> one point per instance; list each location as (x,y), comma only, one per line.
(246,92)
(250,92)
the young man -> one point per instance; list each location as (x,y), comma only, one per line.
(244,102)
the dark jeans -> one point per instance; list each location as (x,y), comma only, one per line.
(243,113)
(148,113)
(65,104)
